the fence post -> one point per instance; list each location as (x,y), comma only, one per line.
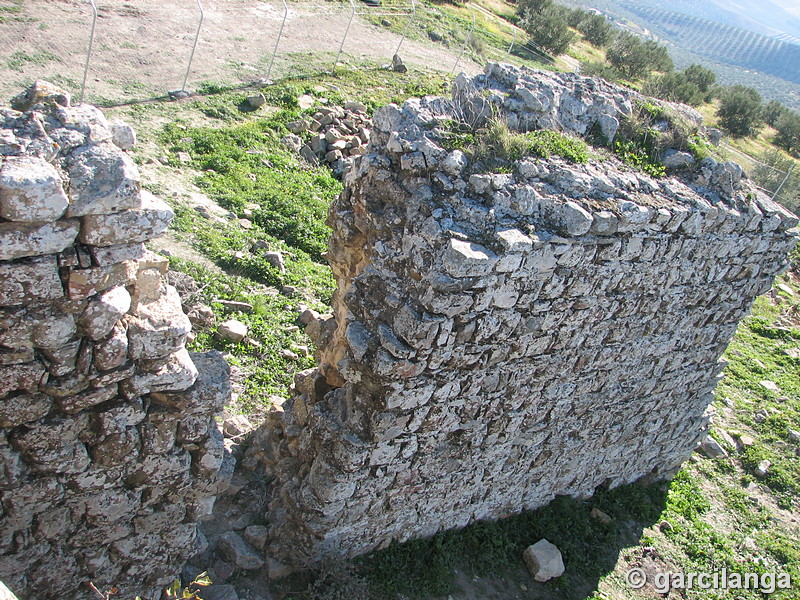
(194,46)
(785,179)
(514,41)
(89,50)
(346,31)
(280,33)
(464,49)
(408,25)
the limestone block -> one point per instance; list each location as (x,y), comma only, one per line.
(513,240)
(123,135)
(103,180)
(135,225)
(159,328)
(18,240)
(468,259)
(20,377)
(232,331)
(84,283)
(25,408)
(31,191)
(111,255)
(175,373)
(103,313)
(112,351)
(81,401)
(544,561)
(211,391)
(239,552)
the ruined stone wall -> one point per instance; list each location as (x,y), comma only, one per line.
(503,338)
(105,464)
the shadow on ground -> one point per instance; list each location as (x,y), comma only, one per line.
(484,560)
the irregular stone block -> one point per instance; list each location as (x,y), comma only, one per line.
(84,283)
(211,391)
(123,135)
(239,552)
(103,181)
(175,373)
(111,255)
(20,377)
(31,191)
(467,259)
(18,410)
(159,328)
(112,351)
(544,561)
(103,313)
(18,240)
(136,225)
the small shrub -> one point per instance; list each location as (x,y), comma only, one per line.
(497,146)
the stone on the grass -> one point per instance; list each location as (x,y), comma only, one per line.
(544,561)
(712,448)
(763,468)
(232,331)
(598,514)
(123,135)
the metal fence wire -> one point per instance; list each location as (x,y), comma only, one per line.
(110,52)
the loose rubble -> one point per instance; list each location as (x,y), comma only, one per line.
(544,561)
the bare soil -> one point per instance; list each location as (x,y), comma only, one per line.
(141,49)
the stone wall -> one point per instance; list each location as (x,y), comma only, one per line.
(109,451)
(503,338)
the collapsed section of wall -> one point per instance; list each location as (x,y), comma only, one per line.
(503,338)
(109,449)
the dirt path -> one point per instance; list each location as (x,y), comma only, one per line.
(141,49)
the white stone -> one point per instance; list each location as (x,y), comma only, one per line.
(232,331)
(158,328)
(454,163)
(544,561)
(104,312)
(103,180)
(31,190)
(513,240)
(136,225)
(123,135)
(18,240)
(467,259)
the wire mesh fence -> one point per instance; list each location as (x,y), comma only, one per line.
(121,51)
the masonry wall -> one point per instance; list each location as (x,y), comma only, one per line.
(109,451)
(500,339)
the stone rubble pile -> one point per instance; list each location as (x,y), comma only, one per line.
(109,449)
(338,135)
(502,338)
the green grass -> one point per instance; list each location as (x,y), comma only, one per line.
(272,328)
(20,59)
(495,147)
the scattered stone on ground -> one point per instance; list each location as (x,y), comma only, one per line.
(763,468)
(712,448)
(544,561)
(599,515)
(232,331)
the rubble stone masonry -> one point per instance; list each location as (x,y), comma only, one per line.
(502,338)
(109,449)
